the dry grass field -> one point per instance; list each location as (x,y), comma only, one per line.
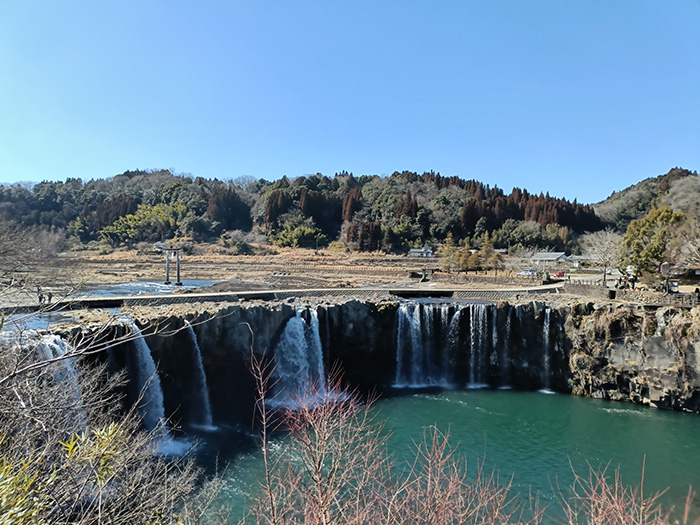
(288,268)
(279,268)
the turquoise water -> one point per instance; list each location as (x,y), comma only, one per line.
(536,437)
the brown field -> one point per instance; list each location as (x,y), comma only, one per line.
(283,268)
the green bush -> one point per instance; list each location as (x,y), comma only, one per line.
(299,233)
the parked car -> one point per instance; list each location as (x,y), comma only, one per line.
(559,274)
(527,273)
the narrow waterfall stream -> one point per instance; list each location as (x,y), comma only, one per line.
(478,349)
(65,372)
(150,393)
(148,384)
(546,351)
(204,403)
(504,356)
(299,374)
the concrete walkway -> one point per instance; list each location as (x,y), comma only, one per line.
(430,291)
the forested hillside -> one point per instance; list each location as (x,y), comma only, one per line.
(678,189)
(360,213)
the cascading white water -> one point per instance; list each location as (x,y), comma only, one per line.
(150,391)
(494,330)
(445,322)
(453,336)
(65,373)
(148,383)
(299,371)
(401,333)
(413,359)
(473,345)
(206,419)
(478,348)
(417,349)
(313,338)
(420,329)
(428,334)
(546,350)
(505,351)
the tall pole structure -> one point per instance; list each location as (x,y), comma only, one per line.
(167,267)
(177,255)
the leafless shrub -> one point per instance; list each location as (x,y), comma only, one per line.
(335,468)
(71,452)
(599,497)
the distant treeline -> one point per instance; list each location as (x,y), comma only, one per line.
(392,213)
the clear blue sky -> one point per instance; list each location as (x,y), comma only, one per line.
(578,98)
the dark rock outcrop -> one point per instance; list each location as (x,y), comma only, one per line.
(603,350)
(630,353)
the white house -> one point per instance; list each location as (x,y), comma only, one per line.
(425,251)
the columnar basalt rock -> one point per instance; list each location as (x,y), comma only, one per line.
(604,350)
(631,353)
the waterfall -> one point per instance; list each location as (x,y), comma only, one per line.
(473,345)
(414,343)
(313,338)
(478,344)
(546,351)
(417,348)
(505,351)
(445,323)
(151,396)
(494,329)
(65,373)
(401,331)
(327,326)
(299,371)
(204,405)
(148,383)
(428,333)
(453,334)
(410,352)
(425,335)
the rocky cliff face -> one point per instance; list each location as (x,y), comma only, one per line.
(605,350)
(356,337)
(629,353)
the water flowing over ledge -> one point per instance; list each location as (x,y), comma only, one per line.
(199,376)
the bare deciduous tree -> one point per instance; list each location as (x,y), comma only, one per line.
(518,258)
(684,247)
(604,247)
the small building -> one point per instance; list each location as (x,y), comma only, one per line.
(425,251)
(545,260)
